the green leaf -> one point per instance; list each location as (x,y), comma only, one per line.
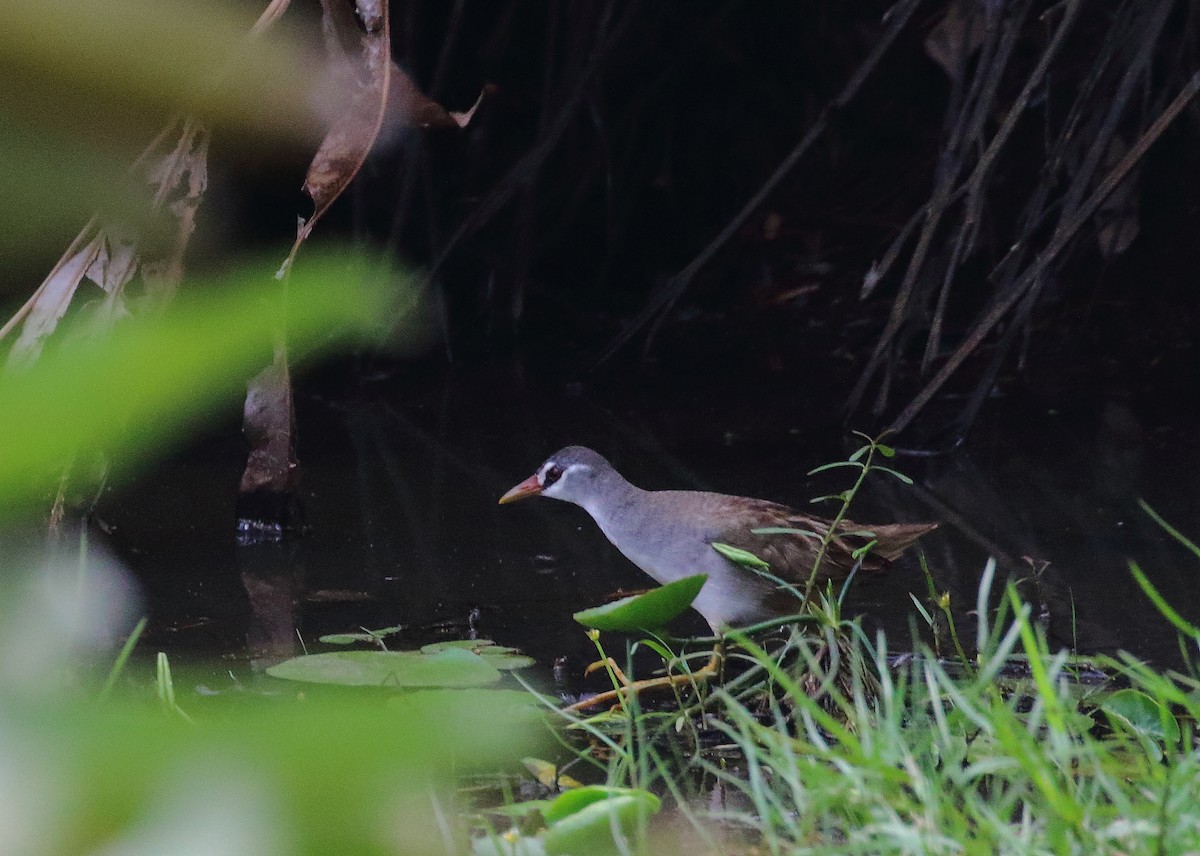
(454,668)
(1168,612)
(741,557)
(895,473)
(519,809)
(502,657)
(476,645)
(446,705)
(859,552)
(1141,714)
(580,822)
(921,609)
(345,638)
(659,649)
(373,636)
(1168,528)
(648,611)
(835,465)
(858,453)
(575,800)
(784,530)
(886,451)
(131,392)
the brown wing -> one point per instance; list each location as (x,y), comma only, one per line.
(791,555)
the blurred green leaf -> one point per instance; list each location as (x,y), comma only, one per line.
(447,705)
(1141,714)
(453,668)
(334,773)
(580,822)
(85,86)
(132,392)
(648,611)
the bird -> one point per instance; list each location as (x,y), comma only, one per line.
(669,534)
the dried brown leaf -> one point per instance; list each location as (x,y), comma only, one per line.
(110,258)
(363,77)
(268,422)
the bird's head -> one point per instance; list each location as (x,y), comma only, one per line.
(570,474)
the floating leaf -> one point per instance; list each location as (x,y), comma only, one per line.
(346,638)
(647,611)
(503,657)
(454,668)
(476,645)
(741,557)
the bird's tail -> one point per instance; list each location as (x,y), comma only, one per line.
(892,539)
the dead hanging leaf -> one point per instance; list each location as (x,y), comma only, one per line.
(464,118)
(957,36)
(359,54)
(1118,219)
(268,421)
(409,107)
(381,100)
(363,77)
(109,257)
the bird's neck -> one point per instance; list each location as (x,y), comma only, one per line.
(613,502)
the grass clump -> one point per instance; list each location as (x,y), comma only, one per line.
(836,745)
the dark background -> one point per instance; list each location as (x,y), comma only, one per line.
(614,142)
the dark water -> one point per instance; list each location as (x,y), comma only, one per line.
(401,481)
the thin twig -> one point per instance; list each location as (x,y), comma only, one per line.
(661,302)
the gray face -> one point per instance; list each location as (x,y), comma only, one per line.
(569,483)
(572,474)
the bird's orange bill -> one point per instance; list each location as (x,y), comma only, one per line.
(529,487)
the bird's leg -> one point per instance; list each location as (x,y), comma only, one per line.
(611,665)
(618,696)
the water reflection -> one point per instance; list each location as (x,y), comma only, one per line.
(401,485)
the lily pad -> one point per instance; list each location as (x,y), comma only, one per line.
(503,657)
(648,611)
(374,636)
(475,645)
(453,668)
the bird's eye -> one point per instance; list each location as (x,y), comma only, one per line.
(553,473)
